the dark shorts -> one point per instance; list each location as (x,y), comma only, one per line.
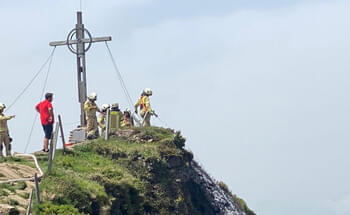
(48,131)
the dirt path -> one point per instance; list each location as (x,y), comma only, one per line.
(15,196)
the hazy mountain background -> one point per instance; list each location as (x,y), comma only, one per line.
(258,87)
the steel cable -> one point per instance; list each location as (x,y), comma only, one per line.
(31,81)
(120,77)
(124,86)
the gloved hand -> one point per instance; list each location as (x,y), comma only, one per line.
(136,111)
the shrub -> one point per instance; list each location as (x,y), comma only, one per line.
(179,140)
(49,208)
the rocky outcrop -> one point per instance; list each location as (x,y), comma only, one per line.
(221,201)
(138,171)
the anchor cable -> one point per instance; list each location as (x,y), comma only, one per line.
(31,81)
(124,86)
(120,77)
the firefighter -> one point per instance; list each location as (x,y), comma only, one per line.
(115,118)
(102,118)
(127,120)
(91,108)
(4,131)
(145,107)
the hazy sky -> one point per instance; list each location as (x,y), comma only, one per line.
(259,88)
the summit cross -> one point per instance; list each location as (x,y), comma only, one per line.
(78,44)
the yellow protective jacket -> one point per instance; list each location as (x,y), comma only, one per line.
(3,123)
(101,120)
(126,122)
(144,104)
(90,108)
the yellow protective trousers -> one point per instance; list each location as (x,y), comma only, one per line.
(146,119)
(92,127)
(5,140)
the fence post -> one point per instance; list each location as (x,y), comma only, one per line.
(37,188)
(50,158)
(54,140)
(29,208)
(107,124)
(62,134)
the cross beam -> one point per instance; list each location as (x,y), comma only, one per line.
(71,42)
(80,49)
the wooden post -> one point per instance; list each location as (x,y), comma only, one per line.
(37,188)
(62,134)
(29,208)
(107,124)
(50,158)
(54,140)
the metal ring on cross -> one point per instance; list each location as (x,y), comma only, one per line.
(71,36)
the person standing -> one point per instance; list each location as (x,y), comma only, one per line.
(115,118)
(145,107)
(91,108)
(102,118)
(45,110)
(4,132)
(127,119)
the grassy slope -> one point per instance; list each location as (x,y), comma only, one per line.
(140,174)
(15,194)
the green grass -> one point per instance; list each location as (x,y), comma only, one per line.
(125,175)
(24,195)
(115,174)
(8,186)
(13,202)
(18,160)
(52,209)
(3,192)
(20,185)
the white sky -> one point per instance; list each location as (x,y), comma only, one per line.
(259,88)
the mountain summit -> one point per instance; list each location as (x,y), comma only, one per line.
(139,171)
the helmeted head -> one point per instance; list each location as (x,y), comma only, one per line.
(2,107)
(115,107)
(105,107)
(147,91)
(92,96)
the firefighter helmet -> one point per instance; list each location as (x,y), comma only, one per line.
(147,91)
(92,96)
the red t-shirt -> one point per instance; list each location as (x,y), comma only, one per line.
(43,108)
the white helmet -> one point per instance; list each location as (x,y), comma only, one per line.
(92,96)
(115,105)
(147,91)
(105,107)
(2,106)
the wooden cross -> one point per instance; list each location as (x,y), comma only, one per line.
(76,37)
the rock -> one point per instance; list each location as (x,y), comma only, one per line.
(222,203)
(174,162)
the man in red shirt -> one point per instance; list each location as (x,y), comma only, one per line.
(47,118)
